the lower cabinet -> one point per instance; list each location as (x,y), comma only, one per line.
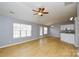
(68,37)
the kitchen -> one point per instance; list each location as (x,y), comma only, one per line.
(68,32)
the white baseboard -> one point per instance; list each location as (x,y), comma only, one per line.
(18,43)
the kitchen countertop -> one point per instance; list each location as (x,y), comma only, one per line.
(68,32)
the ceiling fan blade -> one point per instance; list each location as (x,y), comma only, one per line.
(42,9)
(35,13)
(45,12)
(35,10)
(39,9)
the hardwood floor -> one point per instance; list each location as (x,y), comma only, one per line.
(45,47)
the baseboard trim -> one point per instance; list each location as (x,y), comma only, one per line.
(18,43)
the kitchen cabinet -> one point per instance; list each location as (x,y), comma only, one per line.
(68,37)
(68,33)
(68,27)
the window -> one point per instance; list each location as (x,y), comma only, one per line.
(45,30)
(41,30)
(29,28)
(21,30)
(16,30)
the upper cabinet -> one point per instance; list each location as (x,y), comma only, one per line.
(70,27)
(67,27)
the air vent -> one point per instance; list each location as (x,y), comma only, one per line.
(11,12)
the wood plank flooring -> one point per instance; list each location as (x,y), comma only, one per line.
(46,47)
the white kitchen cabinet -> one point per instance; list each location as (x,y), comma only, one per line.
(67,33)
(68,27)
(68,37)
(63,27)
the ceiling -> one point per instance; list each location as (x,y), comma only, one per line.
(59,12)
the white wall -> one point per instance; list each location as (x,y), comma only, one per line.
(6,31)
(54,31)
(5,34)
(77,26)
(76,32)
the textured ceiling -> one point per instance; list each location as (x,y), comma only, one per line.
(58,11)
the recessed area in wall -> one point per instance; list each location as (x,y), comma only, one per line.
(11,12)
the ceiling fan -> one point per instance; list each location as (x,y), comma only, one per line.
(40,11)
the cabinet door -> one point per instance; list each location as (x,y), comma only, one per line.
(68,27)
(69,38)
(63,27)
(72,26)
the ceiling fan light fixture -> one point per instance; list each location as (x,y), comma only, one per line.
(40,13)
